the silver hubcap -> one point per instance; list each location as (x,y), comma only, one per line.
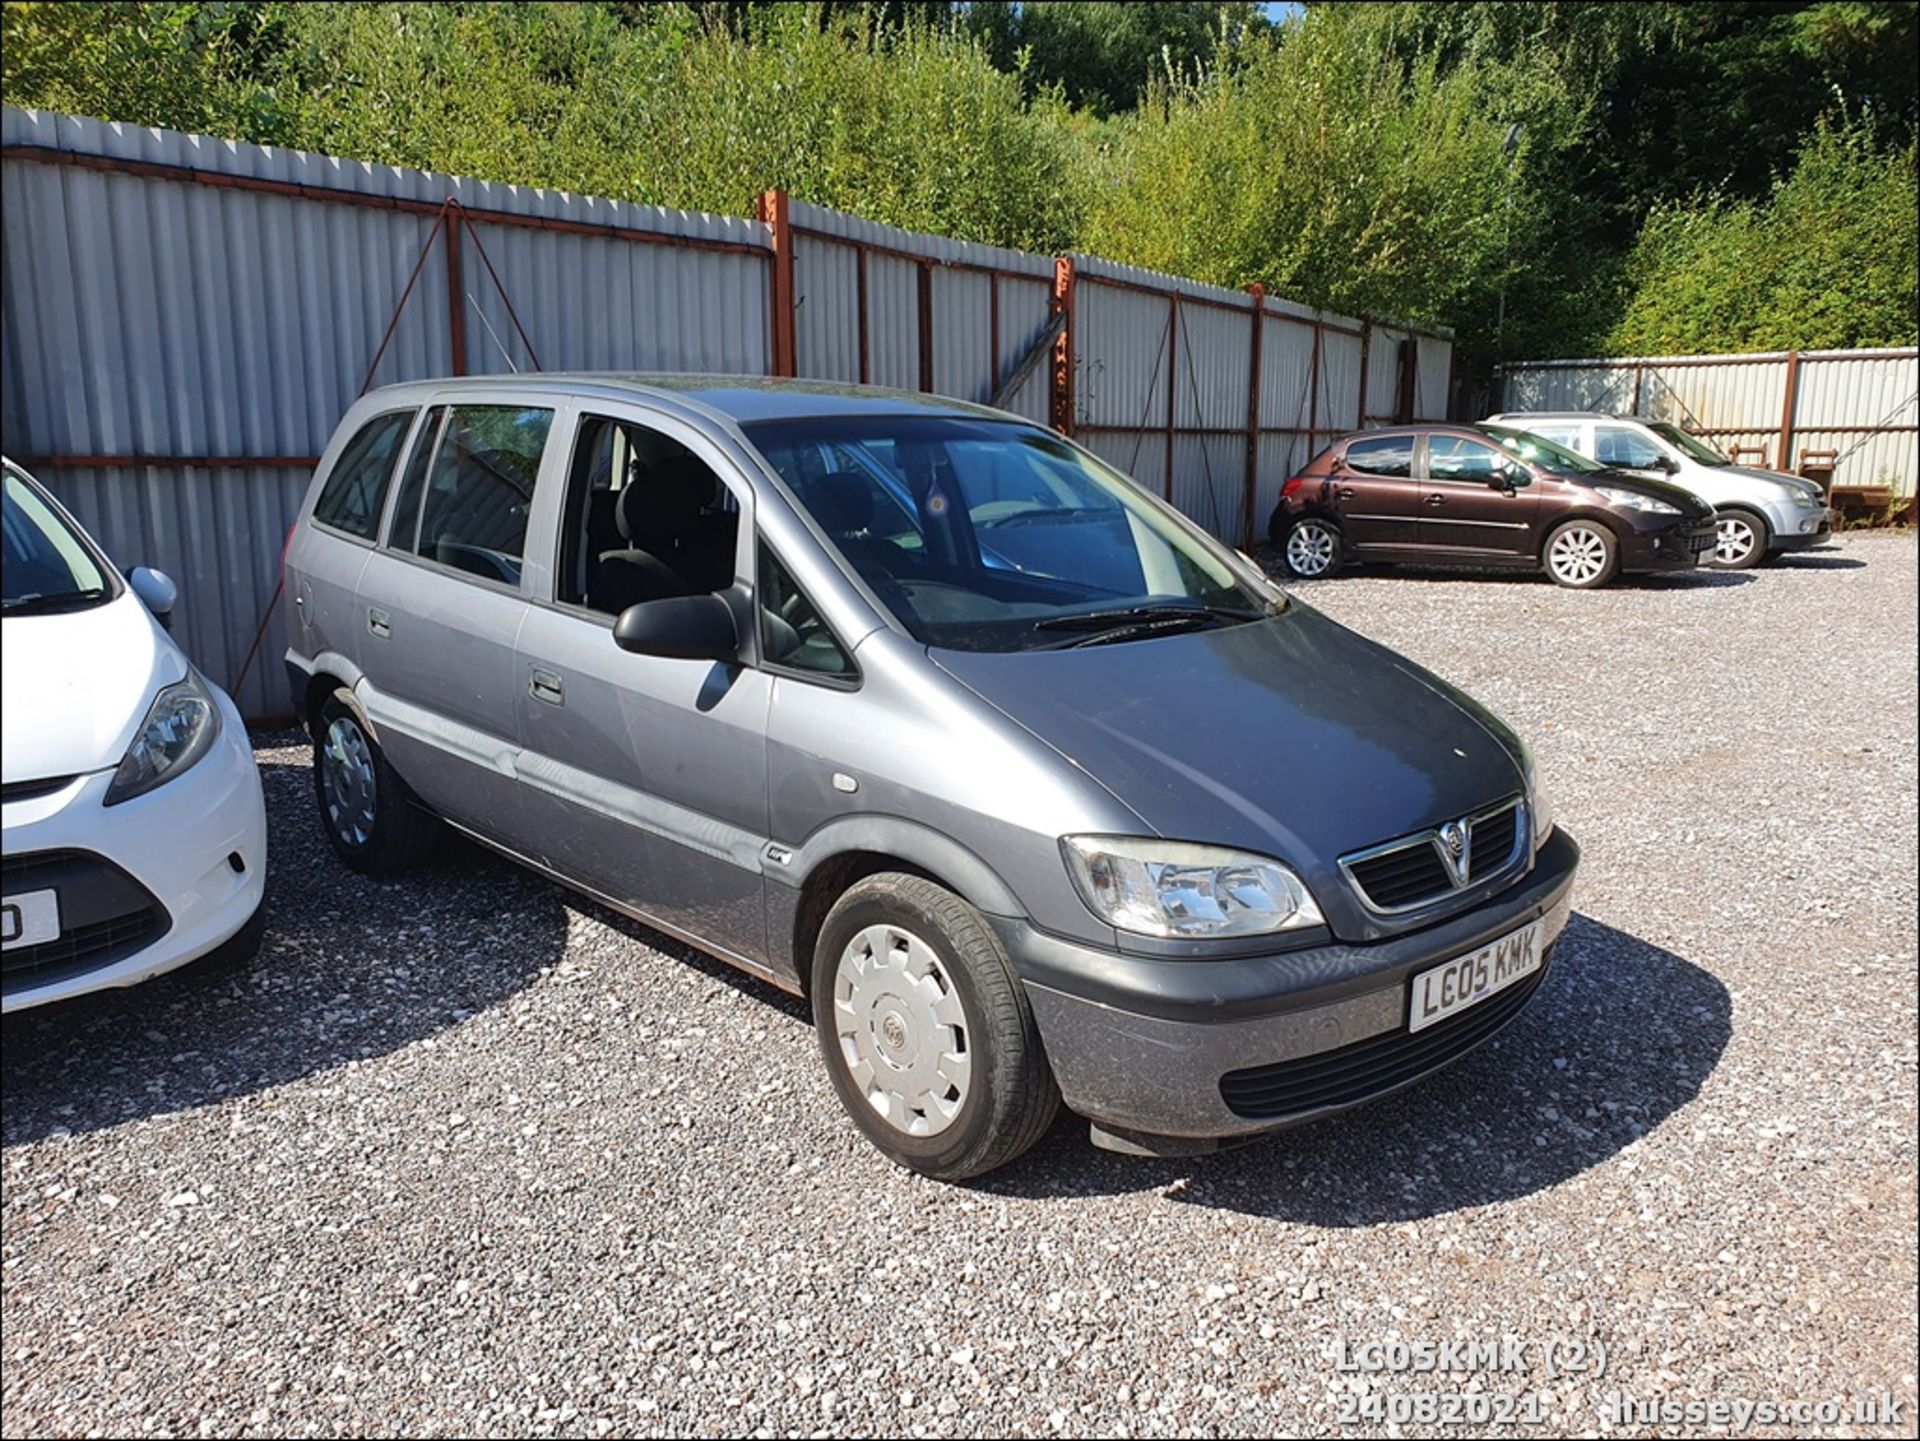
(1310,548)
(1734,541)
(346,778)
(1578,556)
(901,1030)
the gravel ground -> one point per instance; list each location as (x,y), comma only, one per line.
(464,1155)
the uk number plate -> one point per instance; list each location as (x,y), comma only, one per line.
(29,918)
(1467,980)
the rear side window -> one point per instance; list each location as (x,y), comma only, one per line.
(479,490)
(1389,455)
(350,501)
(1616,445)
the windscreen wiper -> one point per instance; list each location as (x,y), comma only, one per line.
(53,600)
(1139,614)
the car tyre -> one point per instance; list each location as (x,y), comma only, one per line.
(372,818)
(1314,548)
(926,1030)
(1582,555)
(1741,540)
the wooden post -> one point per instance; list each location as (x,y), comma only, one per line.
(1061,397)
(776,212)
(1786,411)
(456,294)
(1259,294)
(993,335)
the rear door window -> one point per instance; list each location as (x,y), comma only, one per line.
(479,490)
(1388,455)
(351,499)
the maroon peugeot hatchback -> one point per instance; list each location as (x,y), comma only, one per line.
(1484,496)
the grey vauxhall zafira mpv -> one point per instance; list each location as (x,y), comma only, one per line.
(922,712)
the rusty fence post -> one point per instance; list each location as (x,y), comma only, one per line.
(1173,394)
(775,210)
(456,298)
(926,327)
(1259,294)
(1786,411)
(1061,397)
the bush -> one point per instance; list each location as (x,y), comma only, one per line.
(1829,260)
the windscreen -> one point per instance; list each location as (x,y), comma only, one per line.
(47,566)
(1541,451)
(1691,444)
(988,535)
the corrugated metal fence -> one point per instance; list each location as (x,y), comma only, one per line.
(1780,409)
(183,320)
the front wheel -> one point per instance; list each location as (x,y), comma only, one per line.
(1313,548)
(926,1030)
(1582,555)
(1740,541)
(370,816)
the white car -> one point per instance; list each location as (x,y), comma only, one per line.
(133,835)
(1762,513)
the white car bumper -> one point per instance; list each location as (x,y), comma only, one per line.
(178,843)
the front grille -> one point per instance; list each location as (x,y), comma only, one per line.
(1348,1074)
(27,790)
(1700,544)
(105,915)
(1411,872)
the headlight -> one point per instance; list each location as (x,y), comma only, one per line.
(1634,500)
(1806,500)
(1539,803)
(179,729)
(1185,891)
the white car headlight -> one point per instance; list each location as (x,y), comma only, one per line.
(1805,499)
(1634,500)
(1539,803)
(1184,891)
(180,728)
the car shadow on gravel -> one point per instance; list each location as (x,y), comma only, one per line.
(1622,1035)
(350,968)
(1817,562)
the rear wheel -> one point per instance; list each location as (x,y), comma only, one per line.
(1740,541)
(926,1030)
(1313,548)
(1582,555)
(371,817)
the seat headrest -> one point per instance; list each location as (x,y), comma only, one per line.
(662,505)
(842,501)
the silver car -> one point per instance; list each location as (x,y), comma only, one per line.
(921,712)
(1763,514)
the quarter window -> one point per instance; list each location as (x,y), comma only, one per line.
(1389,455)
(479,490)
(792,634)
(1616,445)
(350,501)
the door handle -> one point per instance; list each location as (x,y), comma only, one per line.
(1346,492)
(547,686)
(379,622)
(1436,500)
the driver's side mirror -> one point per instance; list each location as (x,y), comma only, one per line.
(681,627)
(1509,478)
(1668,464)
(157,592)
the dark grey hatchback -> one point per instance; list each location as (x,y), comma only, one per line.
(918,710)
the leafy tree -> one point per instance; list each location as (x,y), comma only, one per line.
(1828,259)
(1102,54)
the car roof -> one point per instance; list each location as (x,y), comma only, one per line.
(1511,417)
(740,399)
